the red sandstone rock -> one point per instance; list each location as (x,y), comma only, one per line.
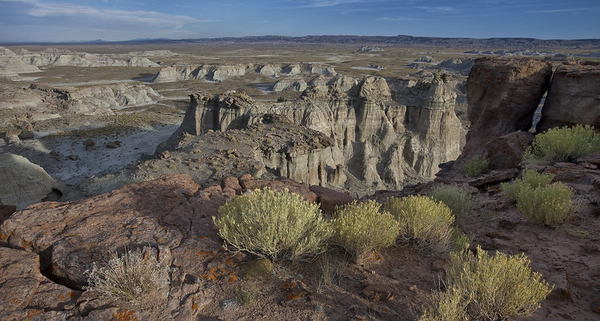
(507,151)
(503,95)
(231,182)
(573,98)
(25,292)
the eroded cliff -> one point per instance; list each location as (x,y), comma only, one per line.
(380,139)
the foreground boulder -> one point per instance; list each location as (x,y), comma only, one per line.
(23,183)
(503,95)
(573,97)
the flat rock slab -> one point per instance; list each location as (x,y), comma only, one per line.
(70,236)
(25,293)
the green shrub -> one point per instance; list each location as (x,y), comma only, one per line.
(538,200)
(423,220)
(476,166)
(529,179)
(564,144)
(549,205)
(134,276)
(360,228)
(457,199)
(460,240)
(492,287)
(446,306)
(277,225)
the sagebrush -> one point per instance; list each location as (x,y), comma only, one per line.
(549,205)
(530,179)
(564,144)
(457,199)
(476,166)
(360,228)
(273,224)
(485,287)
(422,220)
(538,200)
(133,276)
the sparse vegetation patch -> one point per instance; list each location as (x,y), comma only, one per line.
(564,144)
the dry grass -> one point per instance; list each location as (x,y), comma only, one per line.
(133,277)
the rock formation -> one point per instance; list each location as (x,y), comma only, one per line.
(502,95)
(379,139)
(24,183)
(295,84)
(573,97)
(39,102)
(185,71)
(25,61)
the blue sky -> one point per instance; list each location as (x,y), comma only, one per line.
(75,20)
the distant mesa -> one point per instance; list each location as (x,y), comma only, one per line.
(185,71)
(20,61)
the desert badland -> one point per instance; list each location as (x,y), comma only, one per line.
(118,146)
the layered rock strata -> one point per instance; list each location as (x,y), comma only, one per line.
(39,102)
(380,138)
(185,71)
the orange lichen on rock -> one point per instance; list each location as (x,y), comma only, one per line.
(124,315)
(294,295)
(33,312)
(194,303)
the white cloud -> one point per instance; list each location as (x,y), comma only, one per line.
(42,9)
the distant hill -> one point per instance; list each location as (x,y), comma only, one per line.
(398,41)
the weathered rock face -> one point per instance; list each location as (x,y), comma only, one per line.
(40,102)
(26,293)
(502,95)
(290,84)
(573,97)
(24,61)
(23,183)
(378,139)
(183,71)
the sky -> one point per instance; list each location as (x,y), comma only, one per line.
(116,20)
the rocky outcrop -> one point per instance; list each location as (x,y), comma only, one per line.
(295,84)
(57,57)
(24,183)
(26,293)
(502,95)
(573,97)
(53,244)
(184,71)
(379,138)
(460,65)
(269,70)
(39,102)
